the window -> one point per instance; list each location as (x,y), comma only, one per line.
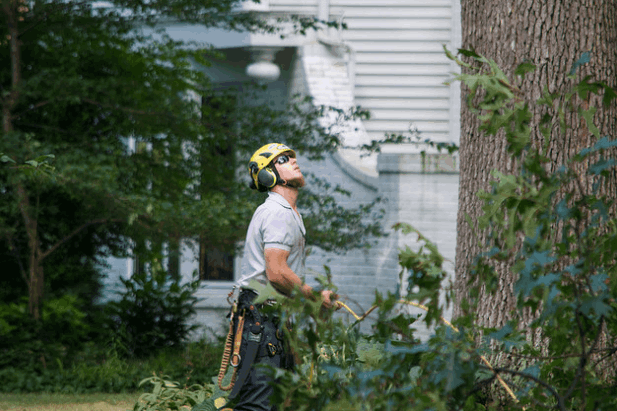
(218,161)
(215,264)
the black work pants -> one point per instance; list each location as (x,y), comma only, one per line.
(256,391)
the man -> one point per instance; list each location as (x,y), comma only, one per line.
(274,252)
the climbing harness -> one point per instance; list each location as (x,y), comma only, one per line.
(256,334)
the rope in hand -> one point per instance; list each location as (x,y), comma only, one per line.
(340,304)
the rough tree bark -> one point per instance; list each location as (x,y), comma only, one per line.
(552,34)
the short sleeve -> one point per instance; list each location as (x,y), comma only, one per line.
(277,231)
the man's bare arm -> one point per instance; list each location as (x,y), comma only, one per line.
(284,279)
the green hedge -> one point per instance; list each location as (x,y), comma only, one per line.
(196,362)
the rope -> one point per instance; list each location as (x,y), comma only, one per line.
(341,304)
(228,356)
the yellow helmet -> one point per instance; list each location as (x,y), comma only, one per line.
(263,175)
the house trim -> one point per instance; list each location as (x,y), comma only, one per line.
(355,173)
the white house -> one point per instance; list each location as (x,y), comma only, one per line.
(390,61)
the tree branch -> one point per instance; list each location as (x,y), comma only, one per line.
(583,360)
(42,126)
(126,109)
(75,232)
(559,399)
(611,352)
(33,107)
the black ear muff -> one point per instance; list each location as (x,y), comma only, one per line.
(254,168)
(267,177)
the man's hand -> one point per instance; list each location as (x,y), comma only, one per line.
(328,297)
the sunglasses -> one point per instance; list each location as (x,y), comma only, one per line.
(282,159)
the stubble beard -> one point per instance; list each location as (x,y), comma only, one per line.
(297,182)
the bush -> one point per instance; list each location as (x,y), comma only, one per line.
(24,343)
(93,370)
(152,314)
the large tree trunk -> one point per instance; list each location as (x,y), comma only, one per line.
(552,34)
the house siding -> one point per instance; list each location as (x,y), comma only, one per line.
(308,7)
(400,65)
(398,60)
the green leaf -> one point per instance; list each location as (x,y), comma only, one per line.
(602,144)
(602,166)
(449,54)
(6,159)
(524,68)
(595,306)
(610,94)
(584,59)
(588,116)
(469,53)
(264,292)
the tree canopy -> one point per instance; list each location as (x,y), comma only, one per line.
(144,146)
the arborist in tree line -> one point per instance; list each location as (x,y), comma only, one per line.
(274,252)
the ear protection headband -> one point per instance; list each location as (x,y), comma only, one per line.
(267,177)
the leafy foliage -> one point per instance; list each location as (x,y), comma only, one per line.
(114,142)
(153,313)
(98,367)
(60,333)
(170,395)
(566,231)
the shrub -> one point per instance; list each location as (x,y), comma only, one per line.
(103,370)
(152,314)
(25,343)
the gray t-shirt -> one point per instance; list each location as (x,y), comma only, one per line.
(274,225)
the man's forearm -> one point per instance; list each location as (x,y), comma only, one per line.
(285,280)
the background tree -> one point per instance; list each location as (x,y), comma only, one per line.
(552,35)
(137,156)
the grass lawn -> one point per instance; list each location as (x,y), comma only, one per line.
(68,402)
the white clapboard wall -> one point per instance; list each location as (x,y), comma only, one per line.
(400,65)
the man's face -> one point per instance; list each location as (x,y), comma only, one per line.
(289,170)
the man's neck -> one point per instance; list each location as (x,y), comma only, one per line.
(289,193)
